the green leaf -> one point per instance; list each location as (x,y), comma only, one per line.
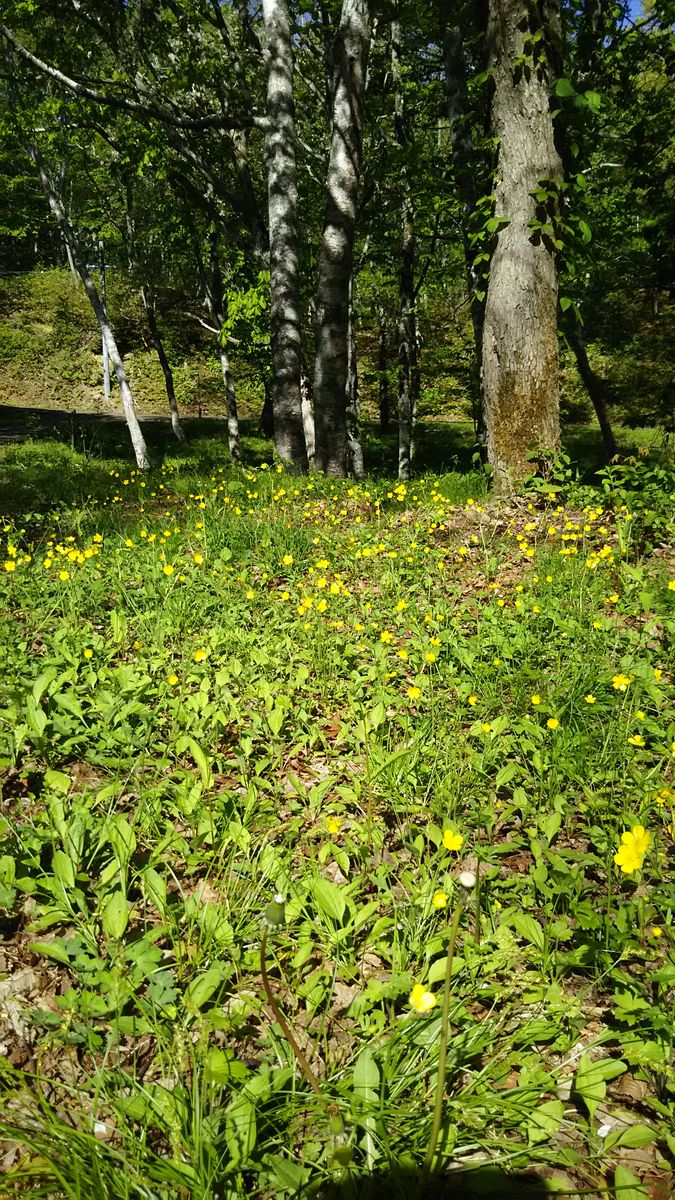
(53,950)
(275,720)
(240,1128)
(154,887)
(627,1186)
(585,231)
(329,898)
(366,1075)
(188,743)
(545,1121)
(632,1138)
(288,1176)
(223,1066)
(63,868)
(203,987)
(564,87)
(591,1077)
(115,916)
(565,303)
(529,929)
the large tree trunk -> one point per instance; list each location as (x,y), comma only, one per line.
(337,246)
(70,237)
(408,375)
(382,375)
(289,440)
(520,342)
(354,448)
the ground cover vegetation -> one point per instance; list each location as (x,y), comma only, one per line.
(243,709)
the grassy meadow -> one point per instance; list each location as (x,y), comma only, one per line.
(418,715)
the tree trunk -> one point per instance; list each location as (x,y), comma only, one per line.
(520,342)
(214,296)
(337,246)
(464,160)
(597,390)
(148,297)
(354,448)
(307,406)
(289,440)
(383,378)
(408,377)
(232,414)
(70,237)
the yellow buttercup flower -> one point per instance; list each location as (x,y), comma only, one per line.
(452,841)
(333,825)
(590,698)
(631,853)
(553,723)
(621,681)
(414,693)
(421,1000)
(200,654)
(10,565)
(535,700)
(439,899)
(287,560)
(172,679)
(167,569)
(87,653)
(636,740)
(386,637)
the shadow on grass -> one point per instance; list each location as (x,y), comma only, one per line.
(480,1183)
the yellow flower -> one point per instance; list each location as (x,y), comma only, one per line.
(403,653)
(167,569)
(472,700)
(414,693)
(590,698)
(452,841)
(671,585)
(439,899)
(386,637)
(636,740)
(634,845)
(250,594)
(401,606)
(553,722)
(172,679)
(656,931)
(486,727)
(63,575)
(200,654)
(10,565)
(87,653)
(657,673)
(421,1000)
(287,560)
(333,825)
(621,681)
(321,606)
(535,699)
(198,558)
(430,658)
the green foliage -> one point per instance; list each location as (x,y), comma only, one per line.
(220,685)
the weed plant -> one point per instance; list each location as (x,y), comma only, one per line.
(219,687)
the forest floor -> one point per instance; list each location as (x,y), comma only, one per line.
(222,684)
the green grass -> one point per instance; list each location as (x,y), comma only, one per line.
(223,684)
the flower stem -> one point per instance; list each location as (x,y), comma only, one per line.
(442,1054)
(283,1024)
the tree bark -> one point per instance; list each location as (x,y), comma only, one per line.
(408,375)
(148,298)
(337,246)
(214,296)
(520,343)
(289,439)
(354,448)
(597,390)
(383,378)
(71,240)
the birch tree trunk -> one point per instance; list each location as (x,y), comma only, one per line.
(214,296)
(383,378)
(289,439)
(70,238)
(520,343)
(337,246)
(354,448)
(148,298)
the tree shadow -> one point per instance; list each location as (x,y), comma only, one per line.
(485,1182)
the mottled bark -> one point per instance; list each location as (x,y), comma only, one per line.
(214,295)
(70,237)
(382,375)
(354,448)
(289,440)
(337,245)
(520,342)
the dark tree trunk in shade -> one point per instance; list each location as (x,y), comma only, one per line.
(354,448)
(520,340)
(337,244)
(214,295)
(382,375)
(597,388)
(408,375)
(289,438)
(148,297)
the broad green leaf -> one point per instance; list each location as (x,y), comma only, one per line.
(154,887)
(223,1066)
(545,1121)
(366,1075)
(529,929)
(591,1077)
(115,916)
(329,898)
(289,1176)
(632,1138)
(203,987)
(564,87)
(627,1186)
(275,720)
(240,1128)
(188,743)
(63,868)
(53,950)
